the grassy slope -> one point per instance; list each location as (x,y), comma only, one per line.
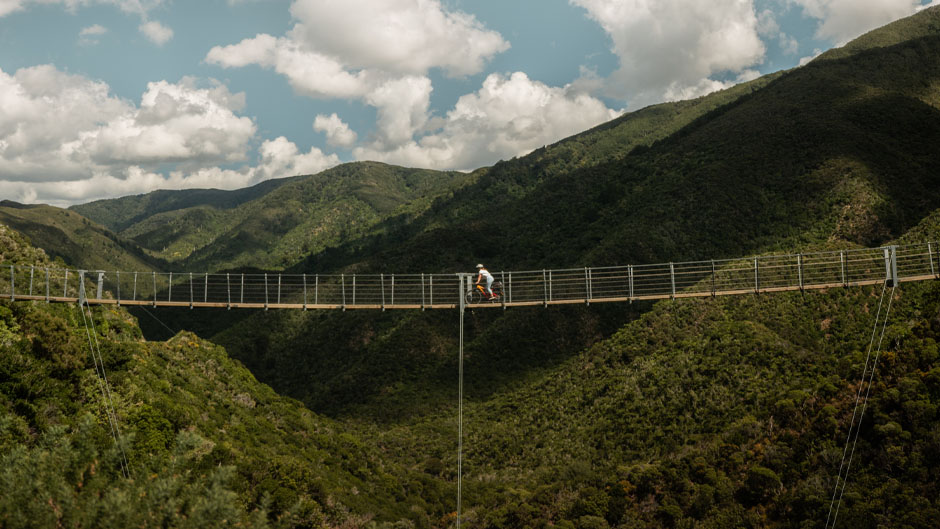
(75,239)
(273,226)
(120,214)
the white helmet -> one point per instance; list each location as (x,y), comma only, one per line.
(479,266)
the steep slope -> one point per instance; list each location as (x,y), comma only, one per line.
(837,153)
(273,225)
(720,413)
(75,239)
(207,445)
(840,150)
(122,213)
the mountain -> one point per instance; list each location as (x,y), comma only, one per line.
(119,214)
(273,224)
(796,162)
(76,240)
(728,412)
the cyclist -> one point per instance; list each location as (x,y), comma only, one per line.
(483,273)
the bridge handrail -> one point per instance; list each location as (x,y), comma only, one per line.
(761,273)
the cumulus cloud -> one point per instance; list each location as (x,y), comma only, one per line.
(156,32)
(508,116)
(279,158)
(374,51)
(96,29)
(62,136)
(675,46)
(338,133)
(401,36)
(842,20)
(309,73)
(9,6)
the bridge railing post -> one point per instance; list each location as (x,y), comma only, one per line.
(422,291)
(241,295)
(672,279)
(134,294)
(382,285)
(205,293)
(509,291)
(630,295)
(799,269)
(169,296)
(279,289)
(545,288)
(714,279)
(191,297)
(343,284)
(933,271)
(154,276)
(756,277)
(891,265)
(12,284)
(842,260)
(265,291)
(47,284)
(32,270)
(118,273)
(305,290)
(228,290)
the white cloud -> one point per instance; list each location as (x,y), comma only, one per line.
(399,36)
(309,73)
(156,32)
(842,20)
(337,132)
(60,133)
(9,6)
(675,46)
(95,29)
(279,158)
(505,118)
(402,108)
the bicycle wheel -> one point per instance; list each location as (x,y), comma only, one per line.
(474,296)
(498,292)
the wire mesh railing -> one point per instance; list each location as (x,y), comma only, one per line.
(768,273)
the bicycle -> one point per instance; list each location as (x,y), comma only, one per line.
(477,293)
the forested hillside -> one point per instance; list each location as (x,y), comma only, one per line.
(207,445)
(728,412)
(75,239)
(273,224)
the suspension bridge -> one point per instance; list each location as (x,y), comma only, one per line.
(886,265)
(751,275)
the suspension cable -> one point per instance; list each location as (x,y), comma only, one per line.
(103,384)
(838,492)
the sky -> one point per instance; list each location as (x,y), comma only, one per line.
(107,98)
